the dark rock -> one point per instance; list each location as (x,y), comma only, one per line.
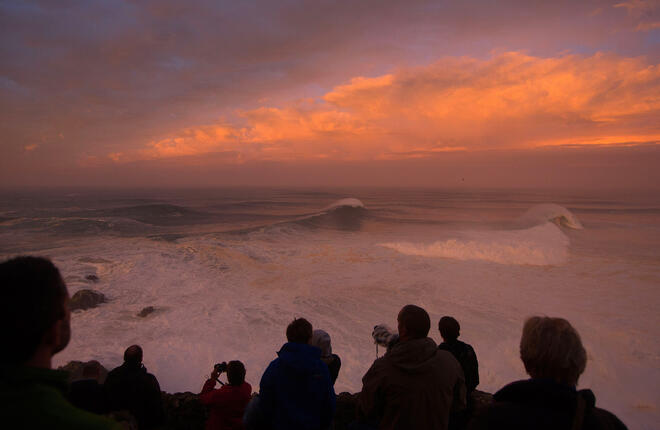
(75,369)
(146,311)
(183,411)
(86,299)
(92,278)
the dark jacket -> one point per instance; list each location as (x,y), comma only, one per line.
(413,386)
(467,358)
(33,398)
(541,404)
(226,405)
(89,395)
(130,387)
(295,390)
(334,364)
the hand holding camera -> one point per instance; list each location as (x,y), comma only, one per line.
(218,368)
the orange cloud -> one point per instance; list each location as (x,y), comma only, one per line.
(638,7)
(511,101)
(648,26)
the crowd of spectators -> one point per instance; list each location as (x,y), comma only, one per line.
(416,384)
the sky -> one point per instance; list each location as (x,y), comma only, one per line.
(326,93)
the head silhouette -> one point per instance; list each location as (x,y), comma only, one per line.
(449,328)
(235,372)
(36,316)
(299,331)
(133,355)
(413,322)
(551,348)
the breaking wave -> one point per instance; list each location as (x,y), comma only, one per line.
(542,245)
(551,212)
(344,214)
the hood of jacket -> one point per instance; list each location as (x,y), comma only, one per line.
(413,356)
(300,357)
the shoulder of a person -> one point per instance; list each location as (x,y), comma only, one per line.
(380,365)
(446,358)
(272,371)
(114,372)
(73,418)
(607,420)
(274,365)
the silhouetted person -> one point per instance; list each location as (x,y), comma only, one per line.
(464,353)
(227,404)
(554,357)
(36,325)
(414,385)
(321,340)
(129,387)
(467,358)
(295,390)
(87,393)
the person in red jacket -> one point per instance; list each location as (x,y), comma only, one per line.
(227,404)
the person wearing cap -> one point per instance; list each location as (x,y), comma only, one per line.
(321,340)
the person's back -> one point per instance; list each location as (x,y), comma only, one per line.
(130,387)
(449,330)
(295,389)
(466,357)
(227,404)
(542,404)
(36,327)
(414,385)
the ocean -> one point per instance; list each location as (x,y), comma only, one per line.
(227,269)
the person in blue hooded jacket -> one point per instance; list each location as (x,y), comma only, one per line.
(295,390)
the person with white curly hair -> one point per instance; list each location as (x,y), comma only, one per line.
(553,355)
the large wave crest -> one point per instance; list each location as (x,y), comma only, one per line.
(344,214)
(551,212)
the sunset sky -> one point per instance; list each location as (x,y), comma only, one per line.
(414,93)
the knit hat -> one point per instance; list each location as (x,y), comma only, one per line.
(321,340)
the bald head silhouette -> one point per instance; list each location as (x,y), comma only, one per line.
(133,355)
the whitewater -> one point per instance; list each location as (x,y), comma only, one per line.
(227,269)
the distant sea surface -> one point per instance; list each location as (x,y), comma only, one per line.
(227,269)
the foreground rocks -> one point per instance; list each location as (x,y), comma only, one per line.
(75,369)
(86,299)
(184,411)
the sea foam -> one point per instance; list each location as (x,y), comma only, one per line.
(538,246)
